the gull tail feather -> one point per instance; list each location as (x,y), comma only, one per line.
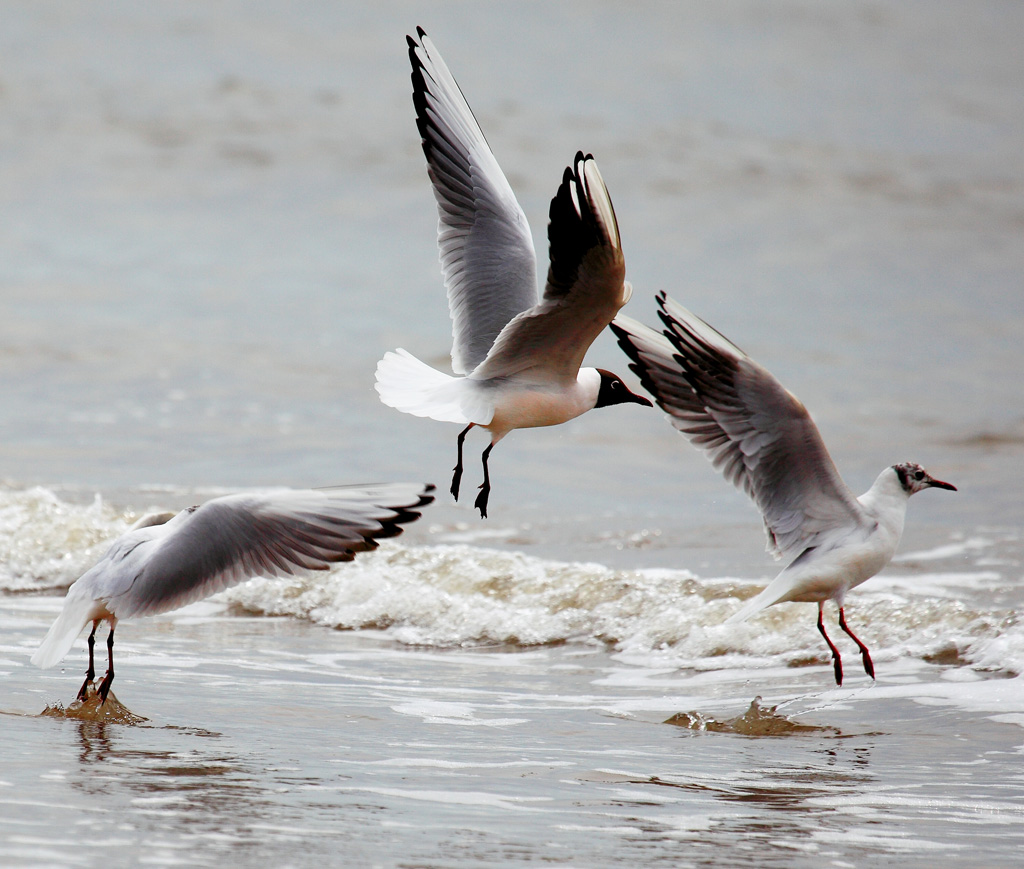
(771,595)
(411,386)
(77,613)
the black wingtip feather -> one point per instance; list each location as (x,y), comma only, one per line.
(571,233)
(403,515)
(439,147)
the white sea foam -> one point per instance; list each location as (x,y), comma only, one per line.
(659,619)
(462,596)
(46,542)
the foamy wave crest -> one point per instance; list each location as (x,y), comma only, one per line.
(46,542)
(463,595)
(952,606)
(941,631)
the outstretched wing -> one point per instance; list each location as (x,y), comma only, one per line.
(585,287)
(753,430)
(487,256)
(278,533)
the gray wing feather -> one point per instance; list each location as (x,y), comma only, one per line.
(753,430)
(486,249)
(230,539)
(585,286)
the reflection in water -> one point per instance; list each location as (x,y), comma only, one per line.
(167,788)
(800,804)
(775,791)
(205,778)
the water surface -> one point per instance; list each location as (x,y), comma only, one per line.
(215,219)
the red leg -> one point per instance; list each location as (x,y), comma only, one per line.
(869,666)
(838,661)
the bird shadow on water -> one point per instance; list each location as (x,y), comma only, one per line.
(758,720)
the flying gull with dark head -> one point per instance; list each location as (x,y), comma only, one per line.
(762,439)
(517,356)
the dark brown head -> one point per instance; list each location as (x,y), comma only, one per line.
(614,391)
(914,478)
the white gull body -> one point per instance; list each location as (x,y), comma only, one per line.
(166,560)
(517,357)
(762,439)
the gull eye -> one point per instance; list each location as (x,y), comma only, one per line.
(919,474)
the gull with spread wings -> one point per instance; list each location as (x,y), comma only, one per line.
(762,439)
(517,357)
(166,560)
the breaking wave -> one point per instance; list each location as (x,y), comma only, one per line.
(946,606)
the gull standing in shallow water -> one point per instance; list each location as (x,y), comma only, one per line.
(762,439)
(518,356)
(166,560)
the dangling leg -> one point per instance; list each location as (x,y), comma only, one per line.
(485,486)
(90,674)
(835,652)
(869,666)
(104,688)
(457,476)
